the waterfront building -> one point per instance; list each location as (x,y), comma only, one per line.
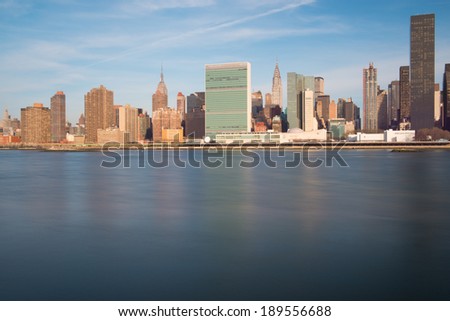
(277,88)
(165,118)
(99,112)
(228,98)
(112,134)
(337,128)
(160,97)
(299,90)
(144,125)
(446,97)
(36,124)
(195,123)
(58,116)
(422,72)
(370,91)
(128,122)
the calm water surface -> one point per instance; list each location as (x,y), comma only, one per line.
(377,230)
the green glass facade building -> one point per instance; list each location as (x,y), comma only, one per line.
(228,98)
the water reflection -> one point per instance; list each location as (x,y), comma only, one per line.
(377,230)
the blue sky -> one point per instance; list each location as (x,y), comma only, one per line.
(75,45)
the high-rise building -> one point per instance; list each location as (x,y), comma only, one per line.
(144,125)
(296,86)
(36,124)
(160,97)
(165,119)
(98,110)
(228,98)
(333,110)
(308,120)
(446,97)
(381,110)
(437,105)
(196,101)
(405,95)
(257,103)
(319,87)
(325,102)
(341,107)
(370,91)
(128,122)
(58,114)
(6,120)
(181,104)
(422,71)
(393,103)
(277,88)
(268,100)
(349,110)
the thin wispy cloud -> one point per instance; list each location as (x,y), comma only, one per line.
(185,36)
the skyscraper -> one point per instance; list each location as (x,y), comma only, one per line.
(308,117)
(128,122)
(382,110)
(181,104)
(296,112)
(437,106)
(319,87)
(257,103)
(370,91)
(393,103)
(99,111)
(160,97)
(405,95)
(58,115)
(325,102)
(228,98)
(446,98)
(277,88)
(36,124)
(6,121)
(422,71)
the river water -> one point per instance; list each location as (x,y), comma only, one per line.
(378,229)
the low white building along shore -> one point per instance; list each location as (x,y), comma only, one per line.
(389,136)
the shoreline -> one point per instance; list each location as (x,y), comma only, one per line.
(402,147)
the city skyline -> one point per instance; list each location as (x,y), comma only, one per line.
(94,44)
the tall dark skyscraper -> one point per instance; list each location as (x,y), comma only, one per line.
(422,58)
(58,116)
(405,95)
(446,92)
